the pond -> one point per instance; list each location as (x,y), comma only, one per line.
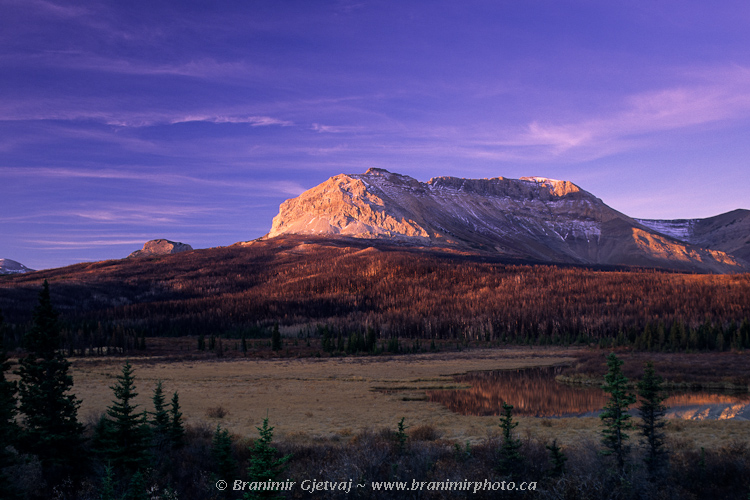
(534,392)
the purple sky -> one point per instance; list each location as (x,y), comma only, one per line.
(126,121)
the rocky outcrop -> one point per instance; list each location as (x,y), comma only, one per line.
(161,247)
(532,218)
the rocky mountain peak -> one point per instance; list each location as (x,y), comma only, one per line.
(532,218)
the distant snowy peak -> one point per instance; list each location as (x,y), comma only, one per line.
(8,266)
(532,218)
(161,247)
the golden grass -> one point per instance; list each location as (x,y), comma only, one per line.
(334,398)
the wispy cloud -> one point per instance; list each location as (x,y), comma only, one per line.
(82,244)
(722,99)
(255,121)
(51,8)
(332,129)
(72,111)
(262,186)
(129,214)
(209,69)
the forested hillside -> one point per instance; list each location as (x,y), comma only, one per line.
(301,283)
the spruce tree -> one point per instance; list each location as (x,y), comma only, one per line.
(401,436)
(176,429)
(50,415)
(8,410)
(276,338)
(8,427)
(558,459)
(221,450)
(652,419)
(107,491)
(137,489)
(510,458)
(615,414)
(264,466)
(126,431)
(160,421)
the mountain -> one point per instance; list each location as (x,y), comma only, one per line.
(8,266)
(729,232)
(161,247)
(531,218)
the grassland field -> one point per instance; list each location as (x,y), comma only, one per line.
(333,399)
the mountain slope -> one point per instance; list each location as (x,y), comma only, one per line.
(728,232)
(529,218)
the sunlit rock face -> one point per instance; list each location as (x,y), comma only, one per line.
(8,266)
(161,247)
(531,218)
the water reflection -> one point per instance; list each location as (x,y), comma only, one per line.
(534,392)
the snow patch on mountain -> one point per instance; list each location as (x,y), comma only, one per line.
(679,229)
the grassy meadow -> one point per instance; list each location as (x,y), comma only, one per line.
(332,399)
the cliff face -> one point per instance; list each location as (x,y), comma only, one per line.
(530,218)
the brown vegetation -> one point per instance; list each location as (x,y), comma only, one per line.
(398,292)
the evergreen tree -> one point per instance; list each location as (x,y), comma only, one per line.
(652,414)
(126,432)
(8,428)
(276,338)
(325,342)
(615,414)
(160,422)
(401,436)
(137,489)
(264,466)
(371,343)
(558,459)
(8,410)
(510,458)
(226,465)
(108,485)
(176,429)
(50,415)
(340,344)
